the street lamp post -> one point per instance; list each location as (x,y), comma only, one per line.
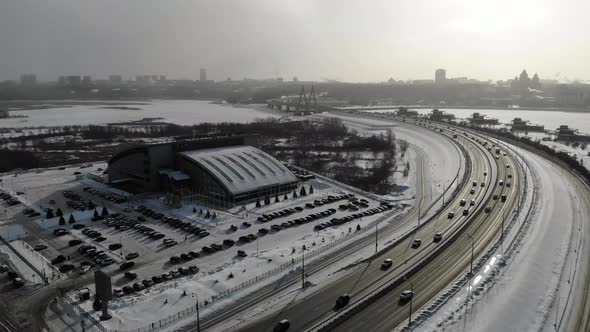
(303,268)
(198,316)
(376,235)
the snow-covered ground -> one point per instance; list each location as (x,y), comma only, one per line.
(269,257)
(183,112)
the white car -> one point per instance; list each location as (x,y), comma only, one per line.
(406,295)
(386,264)
(85,269)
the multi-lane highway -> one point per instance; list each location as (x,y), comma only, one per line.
(318,306)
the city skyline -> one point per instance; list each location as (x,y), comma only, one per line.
(307,39)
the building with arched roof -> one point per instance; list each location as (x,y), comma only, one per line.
(219,171)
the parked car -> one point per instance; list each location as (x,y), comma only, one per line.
(126,265)
(59,259)
(18,282)
(131,255)
(242,253)
(416,243)
(40,247)
(130,275)
(115,246)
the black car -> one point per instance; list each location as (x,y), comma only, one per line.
(78,226)
(74,242)
(216,246)
(126,265)
(115,246)
(138,287)
(131,255)
(40,247)
(244,238)
(194,254)
(128,290)
(229,242)
(66,267)
(342,301)
(263,231)
(208,250)
(59,259)
(130,275)
(174,259)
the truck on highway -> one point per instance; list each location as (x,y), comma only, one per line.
(497,150)
(503,198)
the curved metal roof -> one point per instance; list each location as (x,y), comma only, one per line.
(241,169)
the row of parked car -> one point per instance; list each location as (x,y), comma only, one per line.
(146,283)
(124,223)
(8,198)
(16,280)
(105,195)
(339,221)
(77,201)
(31,213)
(316,203)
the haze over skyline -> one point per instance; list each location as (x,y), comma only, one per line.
(342,40)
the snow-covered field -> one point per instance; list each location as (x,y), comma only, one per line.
(183,112)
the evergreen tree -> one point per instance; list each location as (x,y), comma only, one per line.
(96,215)
(104,212)
(194,210)
(72,220)
(266,200)
(49,214)
(276,198)
(214,216)
(285,197)
(310,190)
(208,214)
(302,192)
(200,212)
(59,213)
(294,193)
(62,221)
(258,203)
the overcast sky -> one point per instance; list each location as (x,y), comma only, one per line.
(349,40)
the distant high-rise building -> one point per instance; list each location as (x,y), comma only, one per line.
(440,76)
(203,75)
(28,79)
(115,79)
(73,80)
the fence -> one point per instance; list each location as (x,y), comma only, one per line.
(41,275)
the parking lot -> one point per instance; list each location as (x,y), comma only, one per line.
(147,244)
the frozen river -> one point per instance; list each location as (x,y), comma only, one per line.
(184,112)
(550,119)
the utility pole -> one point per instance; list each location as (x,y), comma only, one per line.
(376,236)
(198,316)
(303,269)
